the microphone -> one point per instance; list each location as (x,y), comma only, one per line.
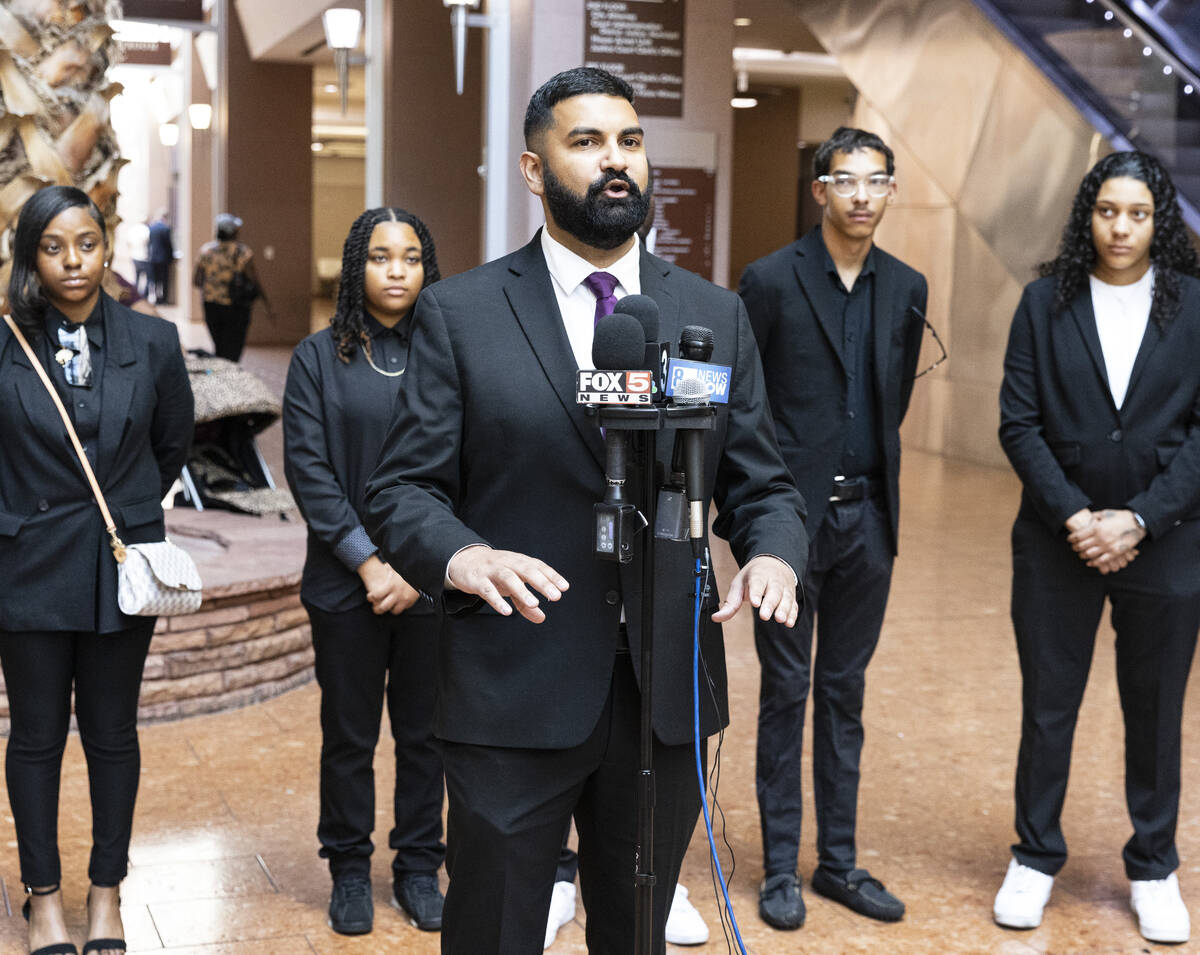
(696,343)
(617,343)
(657,353)
(616,346)
(691,392)
(695,350)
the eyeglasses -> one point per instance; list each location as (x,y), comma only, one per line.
(847,186)
(936,338)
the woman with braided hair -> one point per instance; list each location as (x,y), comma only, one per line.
(373,634)
(1100,417)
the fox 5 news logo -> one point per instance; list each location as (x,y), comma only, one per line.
(614,387)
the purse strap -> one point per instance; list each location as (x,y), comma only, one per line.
(118,547)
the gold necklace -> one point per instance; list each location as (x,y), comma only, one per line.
(386,374)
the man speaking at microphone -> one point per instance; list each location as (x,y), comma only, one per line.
(483,498)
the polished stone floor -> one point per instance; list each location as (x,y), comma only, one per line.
(224,855)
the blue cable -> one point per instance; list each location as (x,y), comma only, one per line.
(712,846)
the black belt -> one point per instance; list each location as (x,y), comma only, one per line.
(855,488)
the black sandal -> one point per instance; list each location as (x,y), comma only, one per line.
(58,948)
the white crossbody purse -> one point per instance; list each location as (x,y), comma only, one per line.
(155,579)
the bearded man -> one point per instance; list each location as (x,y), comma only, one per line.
(483,498)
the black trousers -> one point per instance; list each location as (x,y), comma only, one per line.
(509,809)
(846,587)
(361,658)
(228,325)
(105,670)
(568,861)
(1056,606)
(160,276)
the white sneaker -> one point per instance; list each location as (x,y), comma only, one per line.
(1022,897)
(562,909)
(1162,916)
(685,926)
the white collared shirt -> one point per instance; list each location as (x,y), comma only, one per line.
(576,302)
(1122,312)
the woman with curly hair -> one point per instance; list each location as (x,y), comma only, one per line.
(373,634)
(1100,417)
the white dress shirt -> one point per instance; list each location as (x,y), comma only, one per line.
(1122,312)
(576,302)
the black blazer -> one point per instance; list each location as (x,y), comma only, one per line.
(56,565)
(1068,442)
(489,445)
(796,317)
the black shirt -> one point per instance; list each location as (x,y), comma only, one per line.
(82,402)
(335,417)
(861,453)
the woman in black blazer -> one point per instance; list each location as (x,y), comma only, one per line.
(372,632)
(122,378)
(1100,417)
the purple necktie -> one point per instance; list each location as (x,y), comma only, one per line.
(602,285)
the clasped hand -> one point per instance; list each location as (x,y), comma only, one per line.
(387,591)
(1106,540)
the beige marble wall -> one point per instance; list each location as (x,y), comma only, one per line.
(989,156)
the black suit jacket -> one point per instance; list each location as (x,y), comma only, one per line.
(796,317)
(56,565)
(1067,440)
(489,445)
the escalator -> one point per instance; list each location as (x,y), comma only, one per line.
(1132,68)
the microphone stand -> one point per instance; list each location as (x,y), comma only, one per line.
(646,422)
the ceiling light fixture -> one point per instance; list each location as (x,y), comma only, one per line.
(341,35)
(200,115)
(458,27)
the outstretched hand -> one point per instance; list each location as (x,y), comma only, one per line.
(769,584)
(498,574)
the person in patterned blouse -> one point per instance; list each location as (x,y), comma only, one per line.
(228,280)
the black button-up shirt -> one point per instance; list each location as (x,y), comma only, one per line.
(335,417)
(82,402)
(861,453)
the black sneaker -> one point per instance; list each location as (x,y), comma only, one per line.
(419,897)
(858,891)
(779,902)
(351,910)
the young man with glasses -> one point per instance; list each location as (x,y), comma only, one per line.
(839,326)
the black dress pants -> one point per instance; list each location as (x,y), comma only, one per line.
(361,657)
(40,669)
(228,325)
(160,275)
(846,586)
(1056,605)
(509,809)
